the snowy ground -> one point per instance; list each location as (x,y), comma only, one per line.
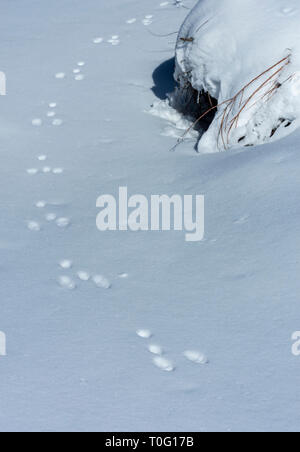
(74,360)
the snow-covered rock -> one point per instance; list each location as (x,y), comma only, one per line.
(246,56)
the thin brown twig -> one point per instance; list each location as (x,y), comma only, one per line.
(235,120)
(230,103)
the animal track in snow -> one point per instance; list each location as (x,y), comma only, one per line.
(195,357)
(44,170)
(101,282)
(32,171)
(33,226)
(50,217)
(66,282)
(79,77)
(60,76)
(131,21)
(51,113)
(63,222)
(115,40)
(37,122)
(147,20)
(286,11)
(163,364)
(144,334)
(66,264)
(98,40)
(84,275)
(57,170)
(42,158)
(60,221)
(40,204)
(155,349)
(57,122)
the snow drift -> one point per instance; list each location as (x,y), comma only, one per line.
(240,61)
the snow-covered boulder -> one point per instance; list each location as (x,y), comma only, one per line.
(243,55)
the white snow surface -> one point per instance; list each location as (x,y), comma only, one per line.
(223,45)
(74,360)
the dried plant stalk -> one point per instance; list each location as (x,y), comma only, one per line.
(240,99)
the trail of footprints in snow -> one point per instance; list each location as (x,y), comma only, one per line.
(63,222)
(161,361)
(50,115)
(148,20)
(44,169)
(77,73)
(50,216)
(69,282)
